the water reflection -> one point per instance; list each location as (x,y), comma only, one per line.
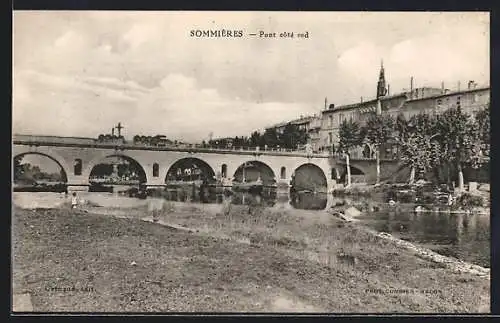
(309,201)
(268,196)
(460,235)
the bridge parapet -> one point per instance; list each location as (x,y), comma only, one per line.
(195,148)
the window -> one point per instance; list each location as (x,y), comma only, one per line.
(77,169)
(283,172)
(439,102)
(224,170)
(458,102)
(156,170)
(334,173)
(330,137)
(331,121)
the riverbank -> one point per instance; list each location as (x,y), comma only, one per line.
(271,259)
(423,196)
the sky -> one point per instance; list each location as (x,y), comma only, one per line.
(80,73)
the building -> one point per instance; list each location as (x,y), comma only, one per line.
(310,124)
(470,101)
(408,103)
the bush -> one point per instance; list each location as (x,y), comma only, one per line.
(467,200)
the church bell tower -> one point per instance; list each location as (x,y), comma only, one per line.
(381,87)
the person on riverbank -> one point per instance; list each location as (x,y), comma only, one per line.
(450,200)
(74,201)
(155,208)
(226,203)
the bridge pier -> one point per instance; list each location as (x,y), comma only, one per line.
(227,182)
(283,186)
(330,186)
(77,188)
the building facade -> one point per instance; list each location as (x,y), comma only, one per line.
(310,124)
(409,103)
(470,101)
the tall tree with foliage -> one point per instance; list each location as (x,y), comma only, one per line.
(350,136)
(379,129)
(18,168)
(417,143)
(270,138)
(458,138)
(483,130)
(255,139)
(293,136)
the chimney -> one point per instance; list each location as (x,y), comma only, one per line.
(361,99)
(442,87)
(458,87)
(388,89)
(411,87)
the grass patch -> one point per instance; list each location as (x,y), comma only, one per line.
(178,271)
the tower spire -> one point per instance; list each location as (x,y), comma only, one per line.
(381,87)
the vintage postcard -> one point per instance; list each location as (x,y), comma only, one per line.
(251,162)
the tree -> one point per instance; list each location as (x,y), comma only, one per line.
(378,130)
(18,167)
(270,137)
(255,139)
(458,140)
(483,130)
(350,136)
(293,136)
(416,141)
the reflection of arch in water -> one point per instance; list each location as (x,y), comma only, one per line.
(309,177)
(309,201)
(63,171)
(190,169)
(133,169)
(253,170)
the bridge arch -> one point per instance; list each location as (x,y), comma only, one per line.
(187,168)
(309,176)
(252,170)
(59,161)
(356,172)
(143,175)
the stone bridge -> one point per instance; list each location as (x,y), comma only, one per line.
(157,161)
(88,153)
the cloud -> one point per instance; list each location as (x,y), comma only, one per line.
(80,73)
(449,54)
(178,108)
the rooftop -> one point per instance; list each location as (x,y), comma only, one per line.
(333,108)
(298,121)
(477,89)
